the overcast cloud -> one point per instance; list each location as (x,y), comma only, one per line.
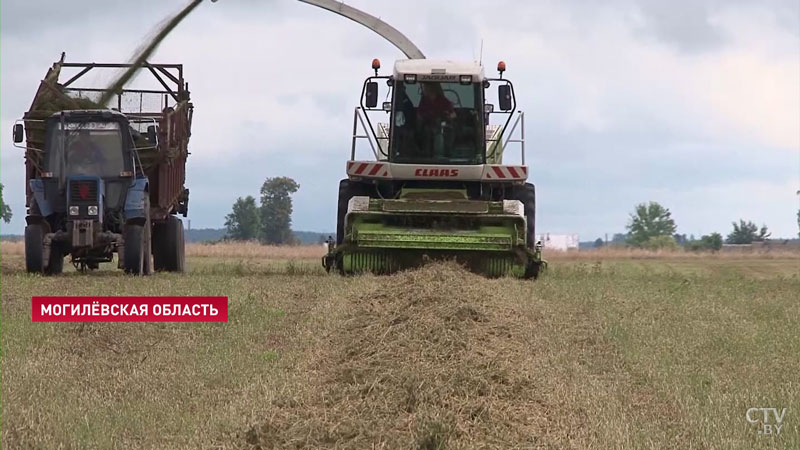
(694,104)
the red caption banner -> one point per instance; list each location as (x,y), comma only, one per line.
(129,309)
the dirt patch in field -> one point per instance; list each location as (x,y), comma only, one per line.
(432,358)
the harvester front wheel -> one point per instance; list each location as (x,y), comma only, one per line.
(347,190)
(526,194)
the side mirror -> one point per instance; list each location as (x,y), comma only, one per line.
(152,138)
(19,132)
(371,96)
(504,97)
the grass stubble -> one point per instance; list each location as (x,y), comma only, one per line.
(616,353)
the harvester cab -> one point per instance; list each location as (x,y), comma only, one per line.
(436,185)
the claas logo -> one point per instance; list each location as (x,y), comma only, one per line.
(436,173)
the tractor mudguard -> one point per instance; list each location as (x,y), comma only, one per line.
(37,187)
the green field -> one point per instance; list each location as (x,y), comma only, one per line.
(600,353)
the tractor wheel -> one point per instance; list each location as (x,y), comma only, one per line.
(527,195)
(134,249)
(56,262)
(347,190)
(138,259)
(169,245)
(34,248)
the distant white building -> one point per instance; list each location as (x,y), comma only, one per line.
(560,242)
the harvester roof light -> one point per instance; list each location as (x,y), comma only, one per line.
(376,64)
(74,211)
(488,108)
(410,78)
(387,106)
(47,174)
(501,67)
(465,79)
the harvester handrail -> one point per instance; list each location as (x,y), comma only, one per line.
(518,120)
(357,118)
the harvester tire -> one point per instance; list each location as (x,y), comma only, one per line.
(527,195)
(347,190)
(34,248)
(169,245)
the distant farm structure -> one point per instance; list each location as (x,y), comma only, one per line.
(559,242)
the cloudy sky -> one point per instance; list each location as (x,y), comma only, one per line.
(694,104)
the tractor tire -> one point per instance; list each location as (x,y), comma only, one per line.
(169,248)
(55,264)
(34,248)
(347,190)
(527,195)
(134,249)
(138,254)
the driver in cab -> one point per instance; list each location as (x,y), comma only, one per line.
(434,107)
(436,114)
(85,156)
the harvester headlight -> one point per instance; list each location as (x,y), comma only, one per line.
(410,78)
(465,79)
(93,210)
(74,211)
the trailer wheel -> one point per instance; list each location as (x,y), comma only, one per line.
(169,245)
(34,248)
(347,190)
(527,195)
(158,247)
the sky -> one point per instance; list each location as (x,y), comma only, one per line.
(694,104)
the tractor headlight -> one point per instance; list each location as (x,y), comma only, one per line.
(93,210)
(74,211)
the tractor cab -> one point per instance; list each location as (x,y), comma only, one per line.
(87,162)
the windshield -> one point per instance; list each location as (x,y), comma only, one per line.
(89,148)
(438,123)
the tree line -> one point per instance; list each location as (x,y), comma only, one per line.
(652,227)
(271,221)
